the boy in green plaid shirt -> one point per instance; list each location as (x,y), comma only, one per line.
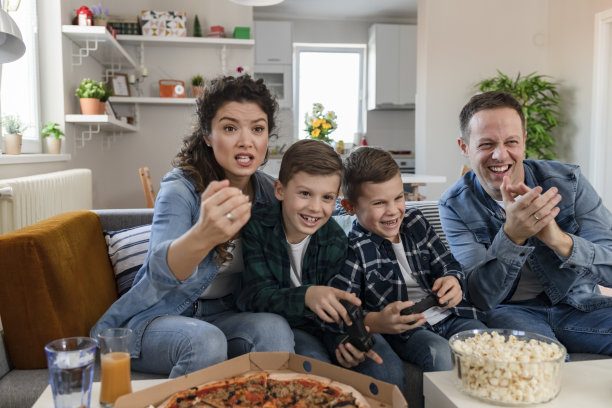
(291,250)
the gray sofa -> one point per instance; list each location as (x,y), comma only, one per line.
(21,388)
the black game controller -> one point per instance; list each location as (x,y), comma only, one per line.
(422,305)
(358,336)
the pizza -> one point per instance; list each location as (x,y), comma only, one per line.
(269,390)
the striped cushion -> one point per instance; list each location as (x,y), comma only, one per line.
(127,250)
(430,211)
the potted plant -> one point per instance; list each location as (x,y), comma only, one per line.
(52,135)
(93,96)
(197,83)
(13,129)
(100,15)
(541,105)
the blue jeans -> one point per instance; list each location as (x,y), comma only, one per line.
(209,334)
(310,345)
(579,332)
(429,349)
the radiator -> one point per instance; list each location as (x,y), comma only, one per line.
(26,200)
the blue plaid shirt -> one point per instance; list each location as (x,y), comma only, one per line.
(372,272)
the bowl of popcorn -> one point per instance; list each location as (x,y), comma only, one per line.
(507,367)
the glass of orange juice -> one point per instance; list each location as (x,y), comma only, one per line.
(115,365)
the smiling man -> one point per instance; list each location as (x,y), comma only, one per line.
(533,236)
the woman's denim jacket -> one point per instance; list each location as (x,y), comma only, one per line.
(156,291)
(473,222)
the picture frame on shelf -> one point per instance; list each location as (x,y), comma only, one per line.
(120,85)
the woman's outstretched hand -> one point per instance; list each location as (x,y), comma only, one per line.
(224,210)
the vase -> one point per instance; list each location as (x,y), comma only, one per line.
(92,106)
(54,145)
(12,144)
(100,22)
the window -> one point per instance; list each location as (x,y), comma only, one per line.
(334,77)
(19,82)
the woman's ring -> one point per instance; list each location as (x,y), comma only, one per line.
(536,217)
(229,216)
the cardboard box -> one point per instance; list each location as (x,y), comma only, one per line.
(388,395)
(163,23)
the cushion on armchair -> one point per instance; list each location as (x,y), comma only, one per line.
(57,281)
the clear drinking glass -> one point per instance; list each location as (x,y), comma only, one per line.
(115,365)
(71,366)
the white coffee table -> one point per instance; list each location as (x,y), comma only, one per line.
(46,398)
(583,384)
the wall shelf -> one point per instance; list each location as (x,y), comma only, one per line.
(184,41)
(97,42)
(106,122)
(152,100)
(95,124)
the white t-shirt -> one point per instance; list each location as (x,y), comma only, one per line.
(296,256)
(529,285)
(227,279)
(415,293)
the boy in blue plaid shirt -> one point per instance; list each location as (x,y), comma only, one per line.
(395,259)
(292,249)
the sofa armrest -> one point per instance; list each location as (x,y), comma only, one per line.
(57,280)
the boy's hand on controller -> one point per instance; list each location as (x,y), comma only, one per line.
(349,356)
(325,302)
(390,321)
(448,290)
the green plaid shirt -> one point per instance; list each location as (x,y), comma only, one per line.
(266,282)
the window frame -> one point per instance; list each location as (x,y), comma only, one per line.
(359,49)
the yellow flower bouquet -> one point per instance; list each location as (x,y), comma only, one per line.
(319,124)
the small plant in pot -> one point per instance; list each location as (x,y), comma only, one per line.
(13,129)
(52,135)
(197,82)
(100,15)
(93,96)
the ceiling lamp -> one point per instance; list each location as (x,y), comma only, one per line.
(11,44)
(257,3)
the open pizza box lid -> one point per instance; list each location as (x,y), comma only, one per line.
(378,393)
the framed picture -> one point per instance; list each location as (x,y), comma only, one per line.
(120,85)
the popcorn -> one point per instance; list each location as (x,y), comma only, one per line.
(506,368)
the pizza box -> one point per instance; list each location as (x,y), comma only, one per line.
(378,393)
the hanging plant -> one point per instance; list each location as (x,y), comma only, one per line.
(541,106)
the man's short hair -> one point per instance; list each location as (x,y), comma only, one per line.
(487,100)
(366,164)
(311,156)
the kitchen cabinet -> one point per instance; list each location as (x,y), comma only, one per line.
(274,59)
(273,42)
(391,66)
(277,78)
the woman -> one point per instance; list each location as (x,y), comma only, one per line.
(181,304)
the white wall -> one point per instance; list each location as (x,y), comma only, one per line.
(460,43)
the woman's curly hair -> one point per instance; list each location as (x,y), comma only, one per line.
(195,157)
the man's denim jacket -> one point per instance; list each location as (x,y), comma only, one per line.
(473,222)
(156,291)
